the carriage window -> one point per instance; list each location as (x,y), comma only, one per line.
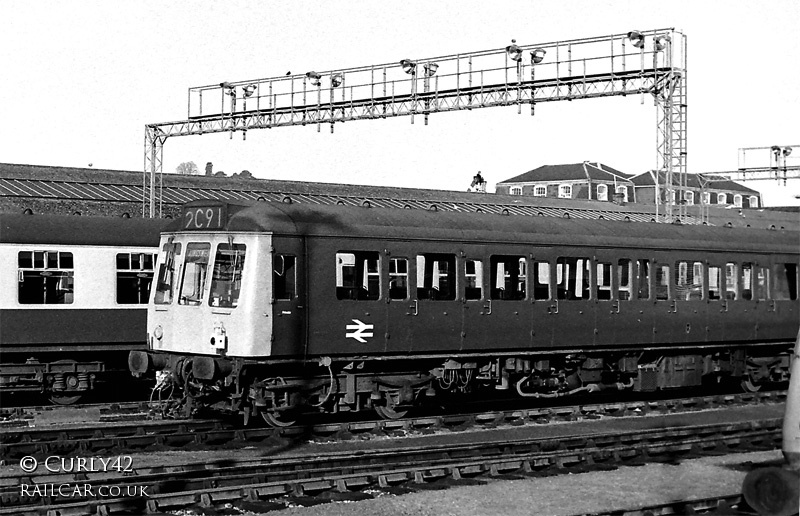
(785,281)
(358,275)
(436,278)
(747,281)
(45,278)
(761,286)
(226,281)
(398,278)
(541,280)
(284,276)
(603,281)
(662,282)
(195,271)
(166,274)
(473,277)
(134,277)
(572,278)
(624,270)
(643,278)
(508,277)
(731,281)
(688,280)
(714,282)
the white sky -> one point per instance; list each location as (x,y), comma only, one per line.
(82,78)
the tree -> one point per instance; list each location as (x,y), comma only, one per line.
(187,168)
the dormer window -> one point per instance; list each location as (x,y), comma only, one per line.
(722,199)
(737,200)
(621,189)
(689,198)
(602,192)
(565,191)
(516,190)
(540,191)
(754,201)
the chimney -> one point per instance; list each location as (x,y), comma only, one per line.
(209,168)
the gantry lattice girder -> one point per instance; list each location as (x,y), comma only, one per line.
(615,65)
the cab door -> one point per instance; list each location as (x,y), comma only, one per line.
(288,297)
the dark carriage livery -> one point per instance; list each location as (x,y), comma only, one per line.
(270,307)
(73,295)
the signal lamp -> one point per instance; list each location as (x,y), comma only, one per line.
(409,66)
(514,52)
(314,77)
(537,56)
(637,38)
(430,69)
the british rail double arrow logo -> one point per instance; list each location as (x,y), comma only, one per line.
(361,330)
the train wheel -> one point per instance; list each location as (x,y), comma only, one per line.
(389,409)
(390,413)
(749,384)
(63,399)
(277,420)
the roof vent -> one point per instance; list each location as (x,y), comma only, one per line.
(27,211)
(366,204)
(566,215)
(287,200)
(505,211)
(261,198)
(433,207)
(126,215)
(340,203)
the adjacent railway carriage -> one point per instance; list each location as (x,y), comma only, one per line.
(274,307)
(73,292)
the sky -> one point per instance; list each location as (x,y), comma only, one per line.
(83,78)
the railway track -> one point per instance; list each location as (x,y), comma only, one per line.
(265,483)
(139,435)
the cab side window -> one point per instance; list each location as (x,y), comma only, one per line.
(284,276)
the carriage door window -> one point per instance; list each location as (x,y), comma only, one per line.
(358,275)
(785,281)
(747,281)
(662,282)
(714,282)
(473,276)
(134,278)
(398,278)
(166,274)
(643,278)
(624,269)
(603,281)
(284,277)
(436,278)
(541,280)
(226,282)
(45,278)
(508,277)
(731,281)
(195,270)
(761,286)
(688,280)
(572,278)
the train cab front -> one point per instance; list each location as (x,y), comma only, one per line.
(208,309)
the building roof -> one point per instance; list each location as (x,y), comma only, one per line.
(117,186)
(698,181)
(575,171)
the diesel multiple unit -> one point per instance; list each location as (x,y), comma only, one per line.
(274,308)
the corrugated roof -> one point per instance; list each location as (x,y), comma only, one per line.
(707,181)
(28,181)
